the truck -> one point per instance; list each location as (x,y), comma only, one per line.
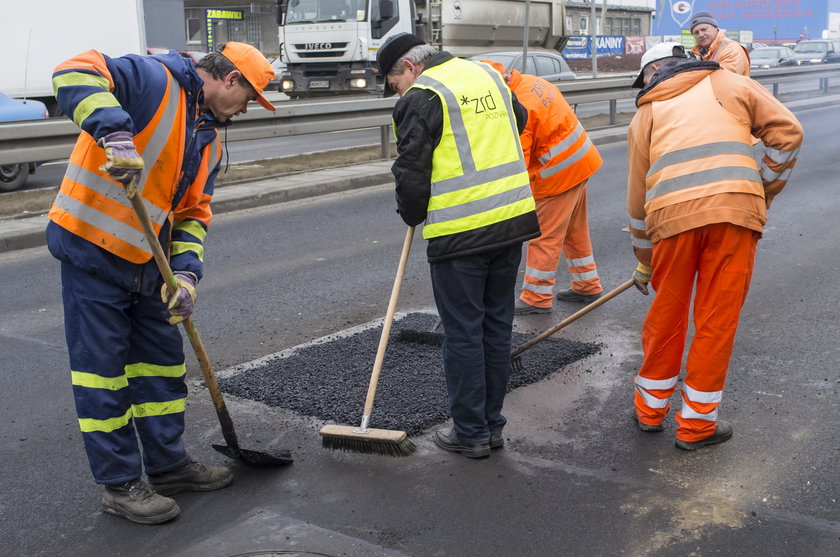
(329,46)
(37,35)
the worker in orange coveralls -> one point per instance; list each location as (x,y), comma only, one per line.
(713,44)
(560,159)
(697,203)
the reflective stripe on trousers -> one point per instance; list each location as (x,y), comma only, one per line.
(565,230)
(719,259)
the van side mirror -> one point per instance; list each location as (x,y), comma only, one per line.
(386,9)
(281,10)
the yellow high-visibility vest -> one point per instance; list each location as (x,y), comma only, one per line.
(478,171)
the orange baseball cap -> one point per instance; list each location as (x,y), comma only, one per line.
(254,67)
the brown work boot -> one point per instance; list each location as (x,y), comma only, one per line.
(192,477)
(138,502)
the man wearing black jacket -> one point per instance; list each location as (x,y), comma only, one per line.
(460,169)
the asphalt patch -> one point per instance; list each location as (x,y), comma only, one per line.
(329,380)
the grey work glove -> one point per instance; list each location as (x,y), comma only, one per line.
(180,305)
(641,278)
(124,163)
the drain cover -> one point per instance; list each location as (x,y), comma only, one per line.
(329,380)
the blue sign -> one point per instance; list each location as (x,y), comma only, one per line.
(579,47)
(787,20)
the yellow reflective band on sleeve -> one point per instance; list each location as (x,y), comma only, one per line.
(159,408)
(88,425)
(181,247)
(478,220)
(192,227)
(91,103)
(79,78)
(93,381)
(152,370)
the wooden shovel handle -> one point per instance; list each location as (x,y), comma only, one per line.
(580,313)
(162,261)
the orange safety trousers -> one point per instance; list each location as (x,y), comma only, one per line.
(719,257)
(565,229)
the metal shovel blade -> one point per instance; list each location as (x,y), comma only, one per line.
(259,458)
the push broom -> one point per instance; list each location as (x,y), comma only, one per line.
(363,439)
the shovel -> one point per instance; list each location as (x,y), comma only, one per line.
(232,449)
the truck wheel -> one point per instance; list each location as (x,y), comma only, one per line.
(13,176)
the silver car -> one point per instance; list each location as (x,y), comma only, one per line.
(550,67)
(772,57)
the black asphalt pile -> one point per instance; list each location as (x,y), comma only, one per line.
(329,381)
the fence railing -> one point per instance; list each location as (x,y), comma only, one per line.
(53,139)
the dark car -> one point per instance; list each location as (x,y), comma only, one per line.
(772,57)
(550,67)
(13,176)
(817,51)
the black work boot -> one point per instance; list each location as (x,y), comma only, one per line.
(723,432)
(572,296)
(496,441)
(138,502)
(524,308)
(649,428)
(192,477)
(450,442)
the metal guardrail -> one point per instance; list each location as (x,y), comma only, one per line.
(41,140)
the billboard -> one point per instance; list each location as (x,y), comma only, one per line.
(767,19)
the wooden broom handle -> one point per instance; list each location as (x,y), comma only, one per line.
(386,325)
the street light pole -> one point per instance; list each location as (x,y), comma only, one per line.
(592,32)
(525,38)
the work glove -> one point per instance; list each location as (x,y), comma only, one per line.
(124,163)
(641,278)
(180,305)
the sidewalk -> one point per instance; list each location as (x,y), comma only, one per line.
(21,233)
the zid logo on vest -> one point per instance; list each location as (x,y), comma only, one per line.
(484,105)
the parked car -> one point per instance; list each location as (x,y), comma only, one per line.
(817,51)
(773,57)
(194,55)
(279,68)
(13,176)
(550,67)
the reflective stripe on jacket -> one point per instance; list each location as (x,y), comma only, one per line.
(687,162)
(478,172)
(558,152)
(92,206)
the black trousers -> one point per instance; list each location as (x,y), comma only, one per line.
(474,297)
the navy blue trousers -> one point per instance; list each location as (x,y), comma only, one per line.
(127,369)
(474,297)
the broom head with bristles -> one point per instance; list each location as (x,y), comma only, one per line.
(371,441)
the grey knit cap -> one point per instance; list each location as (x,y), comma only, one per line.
(702,17)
